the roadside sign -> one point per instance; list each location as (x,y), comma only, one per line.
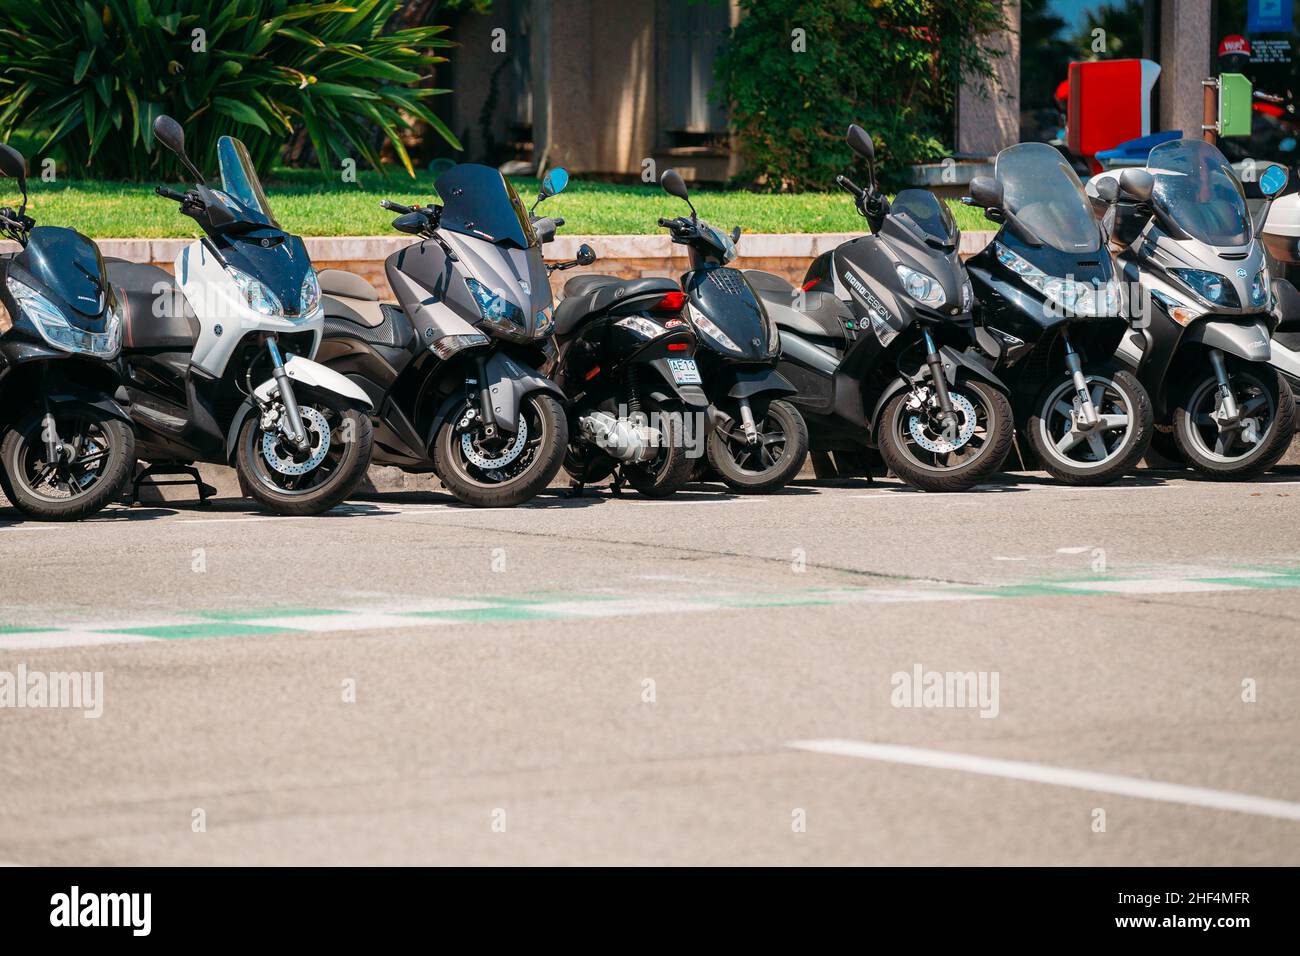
(1235,101)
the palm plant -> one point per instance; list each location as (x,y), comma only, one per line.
(90,77)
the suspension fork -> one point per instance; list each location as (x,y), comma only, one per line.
(296,433)
(485,397)
(1074,362)
(937,378)
(1231,411)
(50,435)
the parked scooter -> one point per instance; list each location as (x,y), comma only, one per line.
(217,360)
(1281,236)
(1184,234)
(1049,303)
(759,440)
(66,447)
(452,366)
(627,362)
(877,342)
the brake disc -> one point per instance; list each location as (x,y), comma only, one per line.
(941,445)
(318,432)
(507,456)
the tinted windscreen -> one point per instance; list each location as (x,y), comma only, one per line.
(239,182)
(1041,189)
(927,213)
(477,201)
(1195,187)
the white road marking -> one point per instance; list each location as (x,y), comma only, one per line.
(697,501)
(1153,586)
(1057,776)
(1072,550)
(40,640)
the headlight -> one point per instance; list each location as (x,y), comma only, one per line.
(55,328)
(1072,296)
(1210,286)
(1259,287)
(309,298)
(921,287)
(704,324)
(643,327)
(967,296)
(256,295)
(495,307)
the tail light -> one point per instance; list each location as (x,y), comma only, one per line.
(671,302)
(807,286)
(678,346)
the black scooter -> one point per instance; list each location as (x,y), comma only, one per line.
(759,440)
(877,340)
(1049,302)
(66,447)
(627,362)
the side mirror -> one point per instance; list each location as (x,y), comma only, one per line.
(586,255)
(1273,180)
(673,185)
(553,184)
(1108,190)
(13,165)
(860,142)
(985,191)
(735,234)
(1137,184)
(169,132)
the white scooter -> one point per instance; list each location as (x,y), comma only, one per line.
(247,310)
(1281,235)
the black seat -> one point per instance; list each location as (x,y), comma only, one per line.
(821,315)
(156,315)
(393,330)
(588,294)
(1287,308)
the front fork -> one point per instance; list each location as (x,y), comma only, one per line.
(935,363)
(1231,411)
(747,422)
(1087,410)
(294,430)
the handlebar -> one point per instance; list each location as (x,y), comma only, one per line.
(849,186)
(396,207)
(169,194)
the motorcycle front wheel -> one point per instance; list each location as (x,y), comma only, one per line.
(1253,445)
(768,464)
(1107,451)
(100,455)
(917,448)
(312,481)
(506,470)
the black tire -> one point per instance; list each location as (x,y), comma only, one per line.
(673,467)
(52,498)
(324,486)
(545,445)
(1165,445)
(782,428)
(1261,383)
(1121,448)
(980,456)
(859,463)
(588,465)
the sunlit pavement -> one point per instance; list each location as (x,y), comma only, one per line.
(708,679)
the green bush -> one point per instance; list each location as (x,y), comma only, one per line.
(891,66)
(89,78)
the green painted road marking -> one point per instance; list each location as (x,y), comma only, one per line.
(173,632)
(249,615)
(490,614)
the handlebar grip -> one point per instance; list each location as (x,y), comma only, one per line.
(395,206)
(847,184)
(169,194)
(559,221)
(667,222)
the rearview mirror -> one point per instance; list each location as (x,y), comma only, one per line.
(586,255)
(673,184)
(169,132)
(1137,184)
(1273,180)
(13,165)
(986,191)
(860,142)
(1107,190)
(553,183)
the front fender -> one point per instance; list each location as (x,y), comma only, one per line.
(955,362)
(1248,340)
(509,381)
(305,373)
(68,394)
(751,382)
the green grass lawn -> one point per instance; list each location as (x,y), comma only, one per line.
(306,205)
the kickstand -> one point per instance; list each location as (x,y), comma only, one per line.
(616,485)
(575,489)
(191,476)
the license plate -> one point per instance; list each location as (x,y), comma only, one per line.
(684,371)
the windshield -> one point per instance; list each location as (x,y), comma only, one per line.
(1041,189)
(920,208)
(478,201)
(1195,187)
(239,182)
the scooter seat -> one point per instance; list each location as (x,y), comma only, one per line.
(346,284)
(1288,306)
(393,330)
(155,313)
(822,317)
(586,295)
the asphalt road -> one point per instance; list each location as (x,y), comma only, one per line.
(708,679)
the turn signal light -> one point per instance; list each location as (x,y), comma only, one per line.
(671,302)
